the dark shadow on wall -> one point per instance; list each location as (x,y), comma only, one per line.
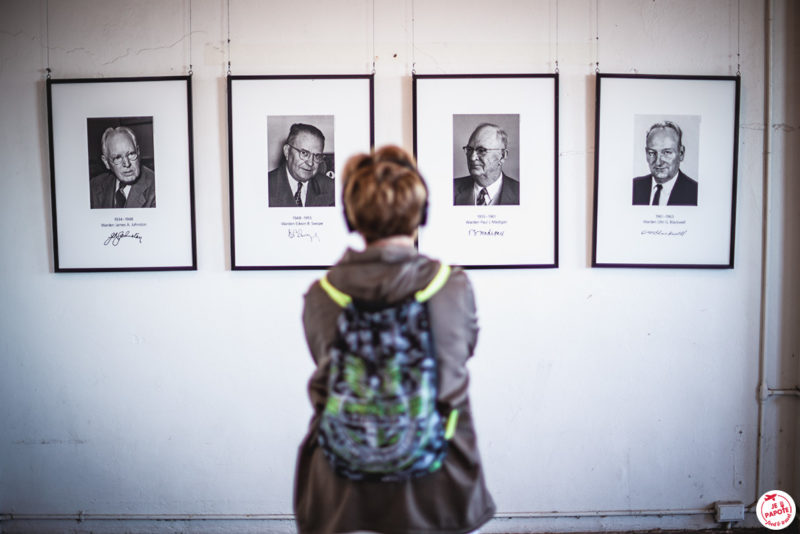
(591,148)
(786,130)
(44,153)
(225,169)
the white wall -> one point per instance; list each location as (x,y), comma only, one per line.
(605,398)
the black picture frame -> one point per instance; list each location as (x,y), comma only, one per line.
(520,228)
(267,231)
(150,118)
(679,134)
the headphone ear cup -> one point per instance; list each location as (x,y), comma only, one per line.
(423,216)
(350,227)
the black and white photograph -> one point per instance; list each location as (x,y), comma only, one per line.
(121,172)
(669,177)
(496,136)
(486,160)
(665,171)
(301,161)
(287,135)
(121,163)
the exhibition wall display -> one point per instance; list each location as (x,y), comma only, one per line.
(665,171)
(288,138)
(495,138)
(121,170)
(489,147)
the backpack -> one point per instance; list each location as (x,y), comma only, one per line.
(380,421)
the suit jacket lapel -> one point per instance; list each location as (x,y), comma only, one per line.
(642,187)
(138,194)
(465,195)
(679,195)
(109,188)
(506,197)
(312,192)
(285,196)
(136,197)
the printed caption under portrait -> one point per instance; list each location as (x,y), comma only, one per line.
(123,230)
(303,228)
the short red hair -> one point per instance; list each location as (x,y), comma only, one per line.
(383,194)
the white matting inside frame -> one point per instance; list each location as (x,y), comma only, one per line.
(498,235)
(665,235)
(159,237)
(291,237)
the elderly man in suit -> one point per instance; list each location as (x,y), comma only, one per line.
(126,183)
(298,181)
(486,184)
(666,185)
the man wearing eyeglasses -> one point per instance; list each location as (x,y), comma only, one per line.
(127,183)
(301,181)
(486,184)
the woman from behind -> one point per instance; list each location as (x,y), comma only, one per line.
(385,201)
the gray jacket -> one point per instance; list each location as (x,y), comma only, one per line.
(453,499)
(142,193)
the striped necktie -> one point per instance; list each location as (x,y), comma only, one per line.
(119,199)
(482,197)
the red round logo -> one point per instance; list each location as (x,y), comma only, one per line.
(775,510)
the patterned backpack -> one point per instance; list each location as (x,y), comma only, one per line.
(380,420)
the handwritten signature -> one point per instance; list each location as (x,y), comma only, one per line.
(485,233)
(301,234)
(116,237)
(661,232)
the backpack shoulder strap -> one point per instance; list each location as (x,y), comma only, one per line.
(339,297)
(343,299)
(435,285)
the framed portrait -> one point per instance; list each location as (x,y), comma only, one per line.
(288,138)
(488,148)
(665,171)
(121,171)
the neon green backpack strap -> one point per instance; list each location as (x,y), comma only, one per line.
(343,299)
(435,285)
(339,297)
(423,295)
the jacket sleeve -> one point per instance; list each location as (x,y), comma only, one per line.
(454,323)
(320,314)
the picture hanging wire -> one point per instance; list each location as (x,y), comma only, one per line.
(413,41)
(190,37)
(229,37)
(596,36)
(738,38)
(47,35)
(556,69)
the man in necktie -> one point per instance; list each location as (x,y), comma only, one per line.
(666,185)
(126,183)
(300,180)
(486,184)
